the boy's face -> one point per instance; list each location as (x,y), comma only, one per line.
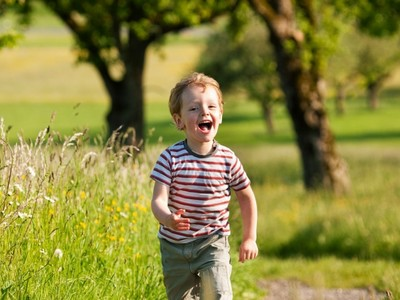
(200,114)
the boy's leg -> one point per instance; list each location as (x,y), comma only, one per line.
(215,269)
(180,282)
(216,283)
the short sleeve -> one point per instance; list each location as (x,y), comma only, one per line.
(162,169)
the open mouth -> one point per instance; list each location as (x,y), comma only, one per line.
(205,126)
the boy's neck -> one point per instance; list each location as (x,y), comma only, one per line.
(203,148)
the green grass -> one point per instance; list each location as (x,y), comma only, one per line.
(94,205)
(27,119)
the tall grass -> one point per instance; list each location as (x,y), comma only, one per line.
(75,221)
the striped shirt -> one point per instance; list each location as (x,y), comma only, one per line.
(202,186)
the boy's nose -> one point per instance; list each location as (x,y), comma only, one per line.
(205,111)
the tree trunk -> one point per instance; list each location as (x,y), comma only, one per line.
(372,94)
(268,116)
(126,114)
(340,98)
(373,89)
(303,88)
(322,167)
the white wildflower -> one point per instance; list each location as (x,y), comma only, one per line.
(124,215)
(58,253)
(24,215)
(19,188)
(52,200)
(42,251)
(31,172)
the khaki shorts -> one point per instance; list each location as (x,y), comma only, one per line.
(197,270)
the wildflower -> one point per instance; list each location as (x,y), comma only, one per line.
(141,207)
(111,237)
(58,253)
(18,187)
(31,172)
(82,195)
(51,200)
(124,215)
(24,215)
(42,251)
(83,225)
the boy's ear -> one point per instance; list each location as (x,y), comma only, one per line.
(178,121)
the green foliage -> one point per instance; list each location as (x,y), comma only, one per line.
(243,63)
(362,59)
(104,30)
(9,39)
(379,18)
(18,15)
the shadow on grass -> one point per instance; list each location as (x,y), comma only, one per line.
(332,236)
(369,136)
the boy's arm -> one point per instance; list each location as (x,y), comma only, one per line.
(248,207)
(159,206)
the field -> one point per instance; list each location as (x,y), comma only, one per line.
(75,220)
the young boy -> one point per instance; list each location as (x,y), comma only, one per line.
(193,182)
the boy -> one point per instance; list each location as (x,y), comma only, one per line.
(193,182)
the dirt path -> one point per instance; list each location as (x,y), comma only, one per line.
(295,290)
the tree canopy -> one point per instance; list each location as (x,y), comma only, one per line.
(113,36)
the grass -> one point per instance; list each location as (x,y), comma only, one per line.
(68,230)
(60,192)
(92,205)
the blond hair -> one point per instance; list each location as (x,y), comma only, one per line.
(197,79)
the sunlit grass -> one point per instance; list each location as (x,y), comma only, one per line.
(76,220)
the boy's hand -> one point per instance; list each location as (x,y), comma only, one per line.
(176,222)
(248,250)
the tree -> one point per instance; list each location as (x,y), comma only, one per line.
(377,59)
(297,32)
(243,62)
(342,73)
(114,36)
(365,59)
(10,36)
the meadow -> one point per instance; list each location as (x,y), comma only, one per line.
(75,219)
